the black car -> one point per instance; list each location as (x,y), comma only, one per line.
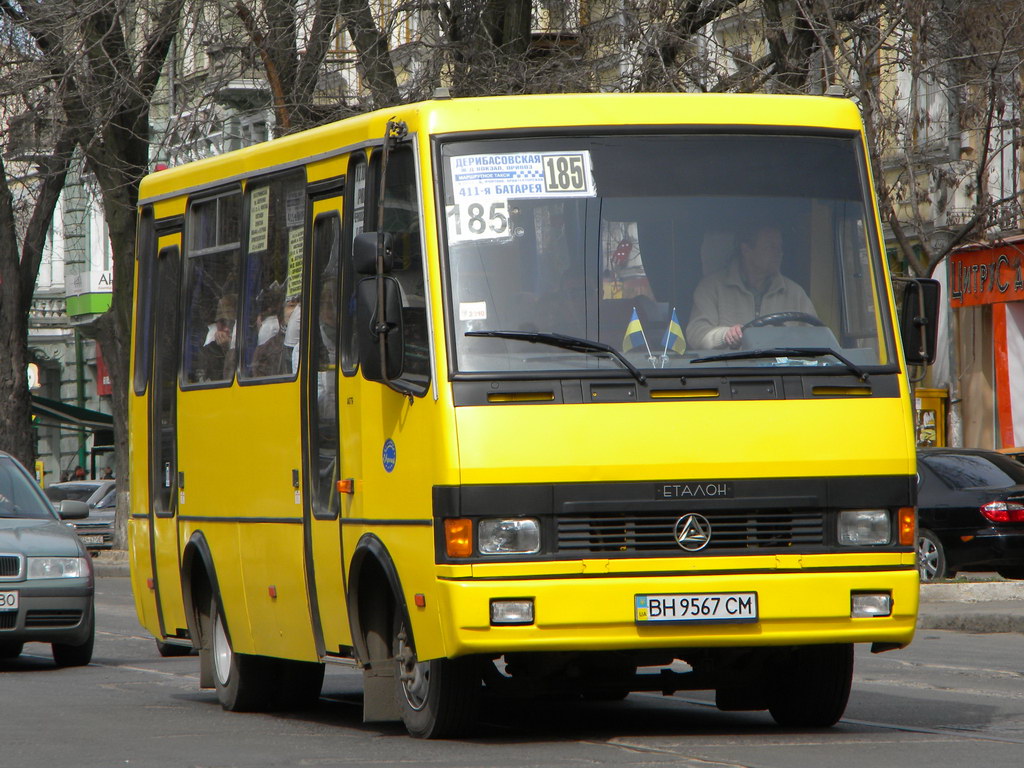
(970,513)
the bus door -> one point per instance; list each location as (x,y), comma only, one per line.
(321,439)
(163,442)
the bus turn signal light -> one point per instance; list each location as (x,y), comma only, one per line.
(458,537)
(908,526)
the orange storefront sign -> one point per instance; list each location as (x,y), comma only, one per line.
(986,276)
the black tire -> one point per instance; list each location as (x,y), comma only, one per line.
(931,556)
(10,649)
(439,698)
(80,654)
(244,683)
(810,688)
(172,649)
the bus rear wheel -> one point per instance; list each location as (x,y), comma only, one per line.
(439,698)
(243,682)
(811,687)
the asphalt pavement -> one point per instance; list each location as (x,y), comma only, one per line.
(984,603)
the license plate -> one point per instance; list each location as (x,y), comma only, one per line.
(8,601)
(92,538)
(696,607)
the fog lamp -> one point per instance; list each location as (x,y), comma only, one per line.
(519,611)
(868,604)
(864,527)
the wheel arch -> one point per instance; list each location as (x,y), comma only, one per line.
(372,577)
(199,585)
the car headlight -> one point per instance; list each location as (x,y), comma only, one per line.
(864,527)
(509,536)
(56,568)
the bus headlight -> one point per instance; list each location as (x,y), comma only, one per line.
(864,527)
(509,536)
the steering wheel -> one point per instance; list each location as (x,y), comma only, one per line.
(778,318)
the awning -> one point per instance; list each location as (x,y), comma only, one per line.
(55,413)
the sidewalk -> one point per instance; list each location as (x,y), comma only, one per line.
(963,606)
(973,606)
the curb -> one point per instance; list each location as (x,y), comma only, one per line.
(110,562)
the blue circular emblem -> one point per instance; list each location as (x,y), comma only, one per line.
(389,455)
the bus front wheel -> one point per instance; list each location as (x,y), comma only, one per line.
(439,698)
(811,686)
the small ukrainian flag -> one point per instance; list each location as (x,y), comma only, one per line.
(674,339)
(634,338)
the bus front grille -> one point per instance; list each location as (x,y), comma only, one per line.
(745,530)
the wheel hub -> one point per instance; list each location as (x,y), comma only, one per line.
(415,675)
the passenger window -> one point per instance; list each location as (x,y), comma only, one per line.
(211,303)
(275,253)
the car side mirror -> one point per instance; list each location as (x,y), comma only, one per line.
(72,510)
(919,320)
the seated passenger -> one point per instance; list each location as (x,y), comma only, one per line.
(751,286)
(217,356)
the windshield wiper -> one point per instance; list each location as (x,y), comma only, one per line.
(752,354)
(564,342)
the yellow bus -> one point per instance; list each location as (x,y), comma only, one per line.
(574,394)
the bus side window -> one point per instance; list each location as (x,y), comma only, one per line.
(402,219)
(275,251)
(211,302)
(145,261)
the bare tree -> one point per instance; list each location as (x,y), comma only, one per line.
(29,189)
(102,61)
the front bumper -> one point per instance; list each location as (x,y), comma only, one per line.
(48,612)
(596,612)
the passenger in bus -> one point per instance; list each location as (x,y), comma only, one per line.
(269,357)
(292,325)
(217,357)
(752,285)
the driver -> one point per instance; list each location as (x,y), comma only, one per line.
(751,286)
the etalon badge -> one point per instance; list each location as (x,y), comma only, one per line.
(692,532)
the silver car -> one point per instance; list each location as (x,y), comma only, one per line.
(46,575)
(97,528)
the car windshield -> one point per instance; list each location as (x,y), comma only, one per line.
(19,496)
(971,470)
(109,499)
(656,245)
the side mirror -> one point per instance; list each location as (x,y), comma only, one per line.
(919,320)
(364,253)
(368,333)
(72,510)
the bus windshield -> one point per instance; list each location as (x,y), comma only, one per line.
(685,253)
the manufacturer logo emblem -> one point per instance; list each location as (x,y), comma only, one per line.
(389,456)
(692,532)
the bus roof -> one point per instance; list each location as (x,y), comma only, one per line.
(446,116)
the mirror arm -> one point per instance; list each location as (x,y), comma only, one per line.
(394,132)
